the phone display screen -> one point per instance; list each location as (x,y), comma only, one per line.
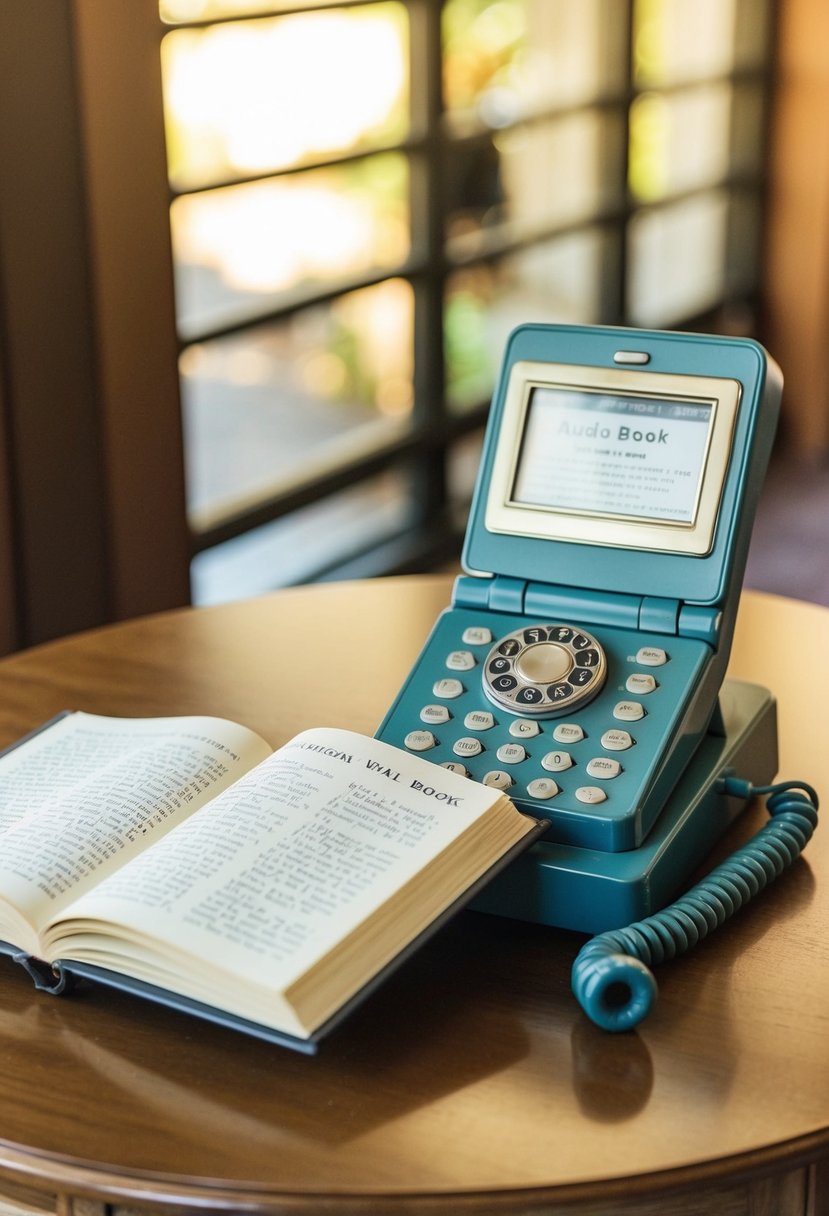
(613,455)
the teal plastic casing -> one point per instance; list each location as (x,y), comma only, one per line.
(626,855)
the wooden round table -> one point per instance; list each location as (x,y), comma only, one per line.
(471,1080)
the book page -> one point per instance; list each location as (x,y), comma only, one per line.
(89,792)
(277,869)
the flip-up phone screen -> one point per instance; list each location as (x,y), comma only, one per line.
(612,457)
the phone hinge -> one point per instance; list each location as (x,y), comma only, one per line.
(497,594)
(575,604)
(649,613)
(700,621)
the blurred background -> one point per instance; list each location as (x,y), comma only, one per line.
(259,258)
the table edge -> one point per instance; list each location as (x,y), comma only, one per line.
(52,1174)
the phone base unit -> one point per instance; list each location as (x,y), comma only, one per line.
(582,889)
(580,665)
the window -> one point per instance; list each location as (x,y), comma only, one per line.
(368,195)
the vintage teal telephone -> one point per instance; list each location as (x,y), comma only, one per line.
(580,666)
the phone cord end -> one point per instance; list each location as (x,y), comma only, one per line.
(611,975)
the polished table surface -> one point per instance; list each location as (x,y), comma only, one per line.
(472,1078)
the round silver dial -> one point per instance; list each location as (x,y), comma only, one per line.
(544,670)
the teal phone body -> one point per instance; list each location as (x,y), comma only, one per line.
(580,663)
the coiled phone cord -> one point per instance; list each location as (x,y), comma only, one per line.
(611,977)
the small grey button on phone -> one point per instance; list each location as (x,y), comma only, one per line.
(420,740)
(542,788)
(476,635)
(568,732)
(511,753)
(640,683)
(590,794)
(604,768)
(616,740)
(557,762)
(523,728)
(448,687)
(467,746)
(651,656)
(497,779)
(460,660)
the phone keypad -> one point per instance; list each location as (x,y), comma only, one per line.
(581,656)
(592,766)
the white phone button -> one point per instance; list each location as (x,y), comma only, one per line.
(479,719)
(628,711)
(436,715)
(616,740)
(542,788)
(568,732)
(454,767)
(590,794)
(603,767)
(511,753)
(640,683)
(497,779)
(523,728)
(467,747)
(448,688)
(557,762)
(420,740)
(651,656)
(476,635)
(460,660)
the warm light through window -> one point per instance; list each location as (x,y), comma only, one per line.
(347,191)
(241,247)
(250,97)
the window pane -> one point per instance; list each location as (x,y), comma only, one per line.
(559,280)
(504,59)
(247,98)
(679,142)
(682,40)
(244,249)
(274,404)
(173,12)
(531,178)
(293,549)
(677,260)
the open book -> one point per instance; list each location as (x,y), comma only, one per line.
(181,859)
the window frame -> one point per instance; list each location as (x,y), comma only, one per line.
(94,526)
(423,454)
